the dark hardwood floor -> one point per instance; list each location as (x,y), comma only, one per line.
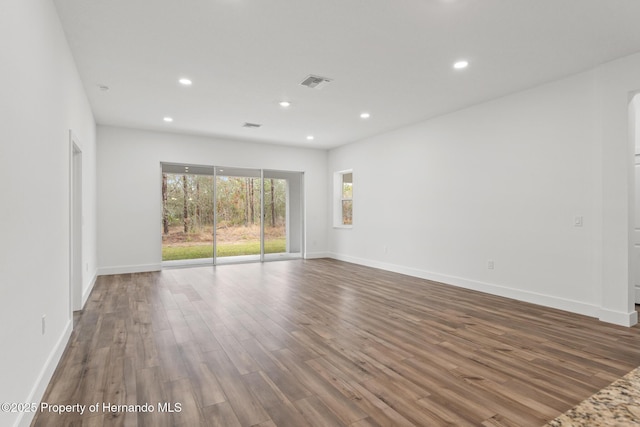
(325,343)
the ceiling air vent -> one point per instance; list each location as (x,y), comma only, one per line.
(251,125)
(315,82)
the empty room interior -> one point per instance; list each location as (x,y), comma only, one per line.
(343,213)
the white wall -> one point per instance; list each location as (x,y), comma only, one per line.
(41,99)
(617,81)
(129,193)
(502,181)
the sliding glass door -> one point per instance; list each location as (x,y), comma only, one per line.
(238,221)
(218,215)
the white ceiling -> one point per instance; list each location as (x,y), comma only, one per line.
(392,58)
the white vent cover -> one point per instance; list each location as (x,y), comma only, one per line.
(251,125)
(315,82)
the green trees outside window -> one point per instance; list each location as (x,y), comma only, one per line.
(188,216)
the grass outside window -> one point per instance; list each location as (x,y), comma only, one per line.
(173,253)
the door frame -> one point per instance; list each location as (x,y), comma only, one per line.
(635,243)
(75,224)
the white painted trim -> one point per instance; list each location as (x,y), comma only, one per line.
(303,214)
(637,294)
(87,292)
(530,297)
(262,215)
(317,255)
(125,269)
(37,392)
(618,317)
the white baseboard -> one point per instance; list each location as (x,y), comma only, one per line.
(24,418)
(489,288)
(87,292)
(124,269)
(316,255)
(618,317)
(637,295)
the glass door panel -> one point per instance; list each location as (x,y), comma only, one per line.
(238,215)
(187,214)
(282,214)
(275,215)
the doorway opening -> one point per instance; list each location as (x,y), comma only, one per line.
(75,225)
(220,215)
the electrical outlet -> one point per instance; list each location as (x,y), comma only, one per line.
(490,264)
(44,323)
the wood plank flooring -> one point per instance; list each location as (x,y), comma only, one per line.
(325,343)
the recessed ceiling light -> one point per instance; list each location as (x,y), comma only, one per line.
(310,138)
(285,104)
(365,115)
(168,119)
(461,65)
(185,82)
